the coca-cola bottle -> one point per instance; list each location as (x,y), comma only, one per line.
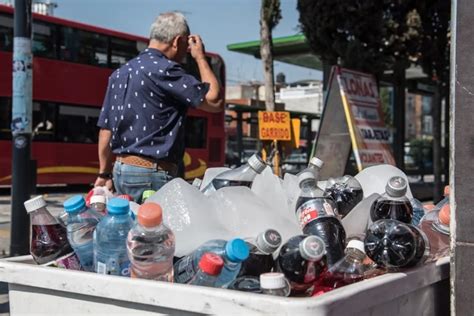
(393,204)
(316,214)
(393,244)
(301,260)
(346,192)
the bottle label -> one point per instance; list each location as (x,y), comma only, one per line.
(185,270)
(101,268)
(312,209)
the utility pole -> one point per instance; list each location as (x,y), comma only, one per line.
(21,127)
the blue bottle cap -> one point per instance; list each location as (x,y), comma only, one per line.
(74,204)
(236,250)
(118,206)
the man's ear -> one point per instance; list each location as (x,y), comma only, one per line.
(176,41)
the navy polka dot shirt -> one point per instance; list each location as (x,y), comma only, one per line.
(145,106)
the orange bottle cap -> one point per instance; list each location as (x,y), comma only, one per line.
(445,214)
(150,214)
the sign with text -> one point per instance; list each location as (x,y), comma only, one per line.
(274,125)
(352,118)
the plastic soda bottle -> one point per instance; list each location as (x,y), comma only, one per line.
(246,283)
(98,204)
(242,176)
(110,248)
(48,237)
(393,244)
(261,250)
(210,266)
(233,252)
(346,192)
(275,283)
(317,216)
(350,269)
(301,260)
(80,229)
(393,203)
(433,225)
(150,245)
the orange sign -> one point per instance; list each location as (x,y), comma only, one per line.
(274,125)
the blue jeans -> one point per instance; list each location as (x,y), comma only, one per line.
(134,180)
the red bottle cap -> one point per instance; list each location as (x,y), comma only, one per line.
(150,214)
(211,263)
(125,197)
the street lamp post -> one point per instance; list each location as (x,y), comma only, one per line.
(21,127)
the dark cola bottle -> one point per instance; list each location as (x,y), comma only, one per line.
(316,214)
(393,204)
(301,260)
(346,192)
(261,251)
(393,244)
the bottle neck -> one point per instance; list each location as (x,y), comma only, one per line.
(308,185)
(355,254)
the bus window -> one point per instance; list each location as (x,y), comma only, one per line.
(6,32)
(195,132)
(121,51)
(44,40)
(5,118)
(44,121)
(83,47)
(78,124)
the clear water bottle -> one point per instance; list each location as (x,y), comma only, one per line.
(48,241)
(98,204)
(110,236)
(80,229)
(275,283)
(233,252)
(393,204)
(242,176)
(261,251)
(209,268)
(150,245)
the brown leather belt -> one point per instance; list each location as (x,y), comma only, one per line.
(139,161)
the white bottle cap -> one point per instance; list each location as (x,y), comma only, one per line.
(356,244)
(272,281)
(396,187)
(315,161)
(35,204)
(257,163)
(98,199)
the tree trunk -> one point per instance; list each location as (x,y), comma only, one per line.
(267,60)
(399,116)
(437,167)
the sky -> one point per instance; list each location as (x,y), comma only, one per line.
(219,22)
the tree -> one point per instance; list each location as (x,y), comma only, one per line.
(436,17)
(270,15)
(370,35)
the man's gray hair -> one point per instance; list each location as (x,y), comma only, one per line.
(169,25)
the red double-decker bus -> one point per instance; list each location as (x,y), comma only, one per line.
(71,65)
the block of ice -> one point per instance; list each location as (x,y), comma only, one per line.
(210,174)
(189,214)
(357,220)
(374,179)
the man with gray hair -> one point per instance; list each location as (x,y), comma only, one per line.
(144,111)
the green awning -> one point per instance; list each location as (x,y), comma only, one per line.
(288,49)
